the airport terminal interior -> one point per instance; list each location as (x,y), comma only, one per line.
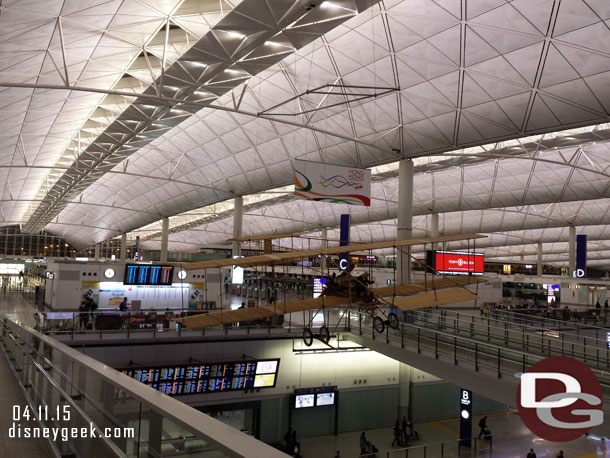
(321,228)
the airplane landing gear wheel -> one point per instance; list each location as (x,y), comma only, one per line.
(378,324)
(393,321)
(324,334)
(307,337)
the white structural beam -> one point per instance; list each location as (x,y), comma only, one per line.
(404,230)
(238,211)
(539,259)
(123,255)
(97,252)
(164,238)
(324,244)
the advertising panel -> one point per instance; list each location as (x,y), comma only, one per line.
(457,262)
(332,183)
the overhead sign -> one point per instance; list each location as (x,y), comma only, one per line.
(146,274)
(581,256)
(332,183)
(457,262)
(344,240)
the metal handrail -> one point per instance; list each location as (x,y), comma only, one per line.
(560,323)
(480,348)
(504,329)
(586,339)
(225,438)
(406,451)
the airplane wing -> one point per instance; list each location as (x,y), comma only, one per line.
(206,320)
(255,313)
(433,299)
(281,257)
(425,285)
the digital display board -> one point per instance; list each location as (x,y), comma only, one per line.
(208,378)
(325,399)
(456,262)
(146,274)
(304,400)
(315,397)
(319,286)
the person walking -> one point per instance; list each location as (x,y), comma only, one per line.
(483,426)
(397,433)
(338,455)
(364,444)
(531,454)
(560,454)
(288,440)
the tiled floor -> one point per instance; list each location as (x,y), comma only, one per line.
(511,439)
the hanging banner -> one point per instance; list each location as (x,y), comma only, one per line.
(332,183)
(581,256)
(344,240)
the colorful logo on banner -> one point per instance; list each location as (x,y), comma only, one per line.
(332,183)
(560,399)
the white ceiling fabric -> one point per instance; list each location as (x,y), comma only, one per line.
(492,71)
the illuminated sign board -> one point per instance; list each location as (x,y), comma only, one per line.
(139,274)
(315,397)
(581,256)
(208,378)
(465,417)
(456,262)
(319,286)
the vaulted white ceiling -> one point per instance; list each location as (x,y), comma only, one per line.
(456,73)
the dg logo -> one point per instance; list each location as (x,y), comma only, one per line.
(560,399)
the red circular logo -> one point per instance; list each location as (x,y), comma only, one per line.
(560,399)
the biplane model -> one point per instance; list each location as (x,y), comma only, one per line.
(345,291)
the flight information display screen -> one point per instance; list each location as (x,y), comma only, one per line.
(208,378)
(147,274)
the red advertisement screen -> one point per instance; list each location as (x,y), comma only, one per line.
(460,263)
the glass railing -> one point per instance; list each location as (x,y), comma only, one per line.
(96,411)
(590,329)
(473,447)
(492,359)
(72,325)
(543,341)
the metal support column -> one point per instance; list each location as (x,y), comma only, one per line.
(324,244)
(539,260)
(123,255)
(404,231)
(97,252)
(572,250)
(164,238)
(405,379)
(238,208)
